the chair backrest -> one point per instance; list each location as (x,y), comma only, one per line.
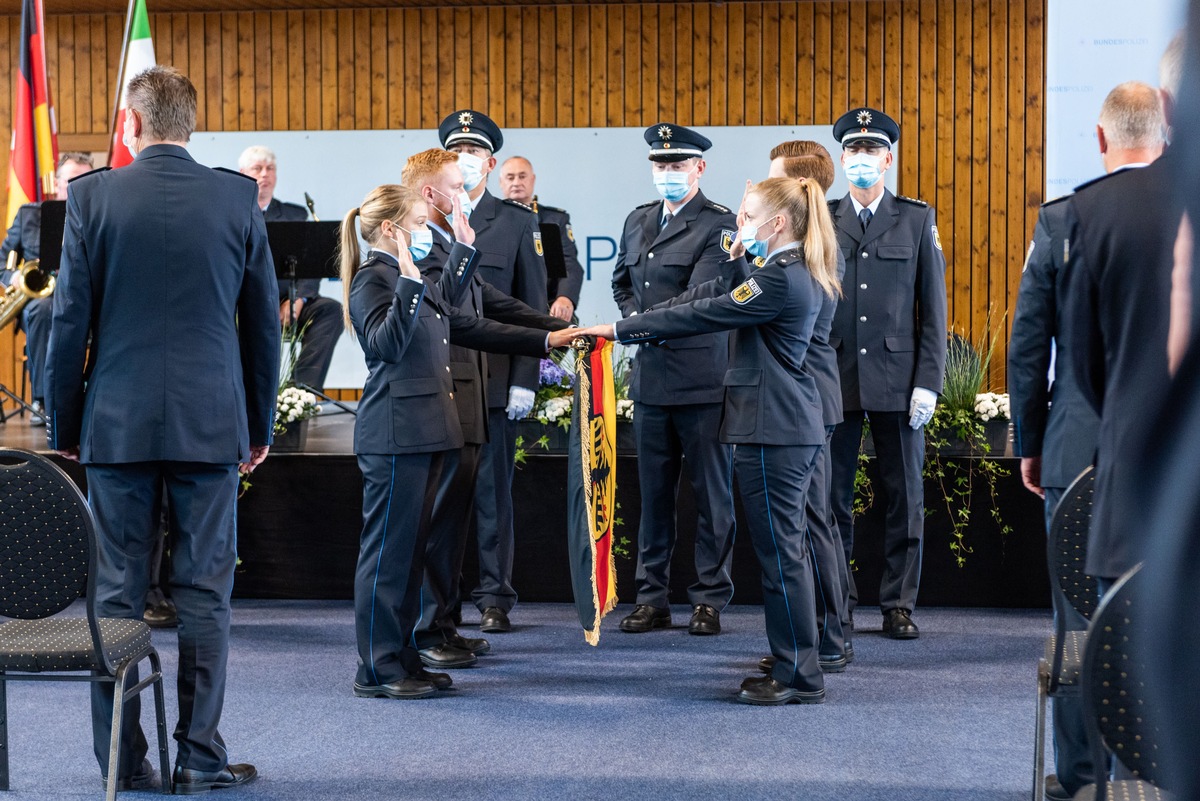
(1067,545)
(1114,683)
(46,534)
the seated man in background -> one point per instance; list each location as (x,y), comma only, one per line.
(320,318)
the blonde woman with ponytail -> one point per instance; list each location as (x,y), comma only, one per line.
(406,422)
(772,410)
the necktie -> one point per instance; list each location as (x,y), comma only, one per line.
(666,219)
(865,216)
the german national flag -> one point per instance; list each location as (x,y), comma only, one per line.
(34,151)
(592,488)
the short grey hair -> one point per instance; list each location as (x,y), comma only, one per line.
(1132,117)
(166,101)
(256,154)
(73,156)
(1170,66)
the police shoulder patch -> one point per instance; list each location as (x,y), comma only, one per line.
(727,236)
(759,262)
(519,205)
(912,200)
(711,205)
(570,233)
(937,240)
(537,242)
(746,292)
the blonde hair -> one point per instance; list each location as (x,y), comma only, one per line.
(423,167)
(386,202)
(803,201)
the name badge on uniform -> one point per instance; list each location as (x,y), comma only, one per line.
(537,242)
(746,292)
(727,240)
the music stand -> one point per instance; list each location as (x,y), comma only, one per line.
(305,250)
(50,237)
(552,251)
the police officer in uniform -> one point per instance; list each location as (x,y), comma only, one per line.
(667,247)
(517,183)
(890,335)
(510,259)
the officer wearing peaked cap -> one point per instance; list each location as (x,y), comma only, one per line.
(890,334)
(510,260)
(667,247)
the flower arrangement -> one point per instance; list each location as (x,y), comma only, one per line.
(992,406)
(556,390)
(293,404)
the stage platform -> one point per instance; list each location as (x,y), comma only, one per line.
(298,529)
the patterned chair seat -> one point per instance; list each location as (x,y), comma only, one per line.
(54,644)
(1072,662)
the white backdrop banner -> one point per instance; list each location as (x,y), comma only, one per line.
(1091,46)
(597,174)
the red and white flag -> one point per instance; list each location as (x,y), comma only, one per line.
(139,56)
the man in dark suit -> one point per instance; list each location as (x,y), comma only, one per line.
(667,247)
(516,183)
(890,335)
(24,237)
(435,174)
(510,260)
(1054,428)
(178,390)
(1120,230)
(319,317)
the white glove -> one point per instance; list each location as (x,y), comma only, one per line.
(920,408)
(520,402)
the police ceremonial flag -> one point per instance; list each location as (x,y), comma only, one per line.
(34,149)
(592,487)
(137,55)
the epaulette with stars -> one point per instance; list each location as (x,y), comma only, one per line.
(232,172)
(518,204)
(912,200)
(548,207)
(1097,180)
(648,205)
(100,169)
(711,205)
(1057,200)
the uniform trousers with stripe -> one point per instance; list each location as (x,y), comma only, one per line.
(773,482)
(828,558)
(398,496)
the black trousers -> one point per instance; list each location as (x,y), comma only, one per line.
(398,495)
(448,530)
(773,482)
(901,454)
(667,436)
(35,320)
(828,559)
(494,514)
(126,500)
(323,316)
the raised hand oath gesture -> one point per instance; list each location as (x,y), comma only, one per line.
(463,232)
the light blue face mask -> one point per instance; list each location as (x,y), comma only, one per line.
(422,243)
(673,186)
(754,247)
(862,170)
(464,200)
(472,170)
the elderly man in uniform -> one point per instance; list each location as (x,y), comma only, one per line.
(667,247)
(510,259)
(124,351)
(890,335)
(24,237)
(320,318)
(1054,428)
(516,183)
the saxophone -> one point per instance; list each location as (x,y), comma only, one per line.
(28,282)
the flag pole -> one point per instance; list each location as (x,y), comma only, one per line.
(112,125)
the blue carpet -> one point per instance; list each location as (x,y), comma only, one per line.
(545,716)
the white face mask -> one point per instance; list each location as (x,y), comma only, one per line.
(472,170)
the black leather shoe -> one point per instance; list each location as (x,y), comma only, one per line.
(645,617)
(897,624)
(476,645)
(440,681)
(144,779)
(1055,791)
(766,664)
(771,693)
(849,653)
(193,782)
(447,656)
(494,621)
(751,680)
(401,689)
(705,620)
(161,616)
(832,663)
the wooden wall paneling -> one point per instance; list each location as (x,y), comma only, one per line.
(288,77)
(878,62)
(685,66)
(977,279)
(547,59)
(62,72)
(510,74)
(793,62)
(563,62)
(822,50)
(230,116)
(597,96)
(718,25)
(842,95)
(181,51)
(770,25)
(403,30)
(246,72)
(665,49)
(107,33)
(354,66)
(632,113)
(269,66)
(424,103)
(614,115)
(478,90)
(581,38)
(891,56)
(753,85)
(163,41)
(735,102)
(525,74)
(497,86)
(1000,248)
(858,65)
(918,118)
(377,68)
(344,58)
(959,210)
